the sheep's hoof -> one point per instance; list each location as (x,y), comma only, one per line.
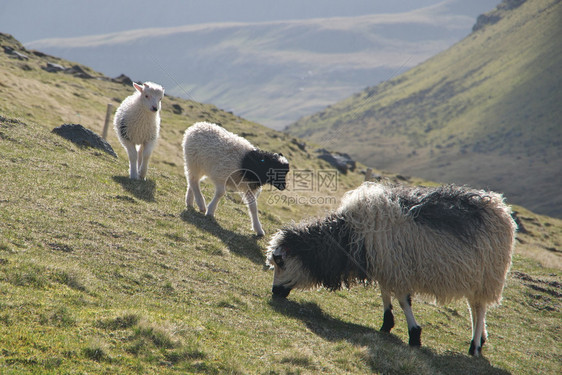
(473,350)
(259,235)
(415,336)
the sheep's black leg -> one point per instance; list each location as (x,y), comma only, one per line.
(388,317)
(414,330)
(388,320)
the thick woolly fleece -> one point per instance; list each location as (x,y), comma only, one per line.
(137,123)
(232,162)
(446,243)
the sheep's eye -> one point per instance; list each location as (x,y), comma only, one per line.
(146,96)
(278,259)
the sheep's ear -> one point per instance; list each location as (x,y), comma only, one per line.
(138,87)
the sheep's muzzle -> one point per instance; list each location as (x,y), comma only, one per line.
(279,291)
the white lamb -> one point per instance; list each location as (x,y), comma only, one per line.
(229,161)
(137,123)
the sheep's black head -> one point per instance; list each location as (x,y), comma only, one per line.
(289,272)
(314,253)
(265,168)
(279,167)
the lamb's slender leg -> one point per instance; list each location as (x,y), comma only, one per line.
(140,156)
(219,192)
(414,330)
(478,313)
(145,152)
(132,152)
(189,196)
(251,199)
(388,317)
(193,187)
(190,175)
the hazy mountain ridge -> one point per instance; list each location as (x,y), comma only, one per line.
(485,112)
(271,72)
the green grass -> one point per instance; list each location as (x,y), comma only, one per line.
(100,274)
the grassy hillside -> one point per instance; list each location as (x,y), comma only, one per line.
(485,112)
(100,274)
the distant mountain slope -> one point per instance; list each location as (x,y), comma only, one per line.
(272,72)
(486,112)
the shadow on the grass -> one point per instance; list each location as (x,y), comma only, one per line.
(143,190)
(237,243)
(385,350)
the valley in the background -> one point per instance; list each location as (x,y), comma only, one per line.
(486,112)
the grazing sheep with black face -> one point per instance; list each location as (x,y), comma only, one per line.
(137,122)
(231,162)
(447,243)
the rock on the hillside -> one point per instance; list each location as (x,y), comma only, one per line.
(177,109)
(14,54)
(495,15)
(123,79)
(79,72)
(78,134)
(53,68)
(520,227)
(299,144)
(341,161)
(75,70)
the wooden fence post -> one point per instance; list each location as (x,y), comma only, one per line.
(107,118)
(368,174)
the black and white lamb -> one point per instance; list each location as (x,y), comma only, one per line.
(446,243)
(229,161)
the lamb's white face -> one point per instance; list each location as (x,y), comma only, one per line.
(151,95)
